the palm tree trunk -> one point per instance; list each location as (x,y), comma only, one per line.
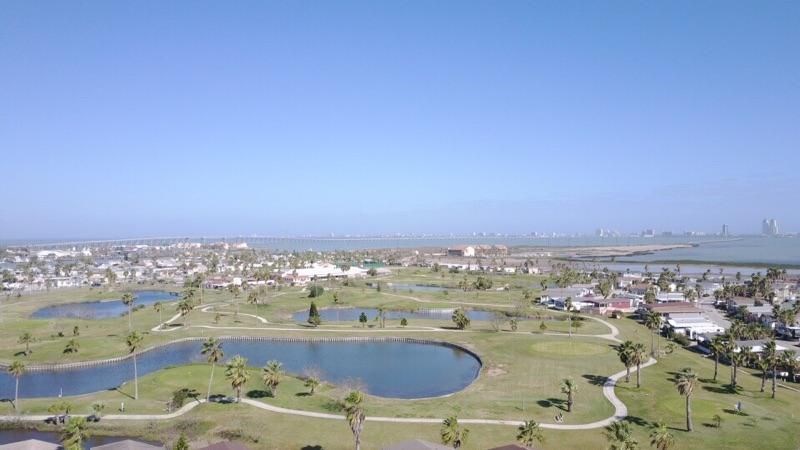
(763,380)
(688,413)
(358,441)
(627,374)
(638,375)
(716,366)
(653,343)
(774,379)
(135,379)
(208,396)
(130,324)
(16,395)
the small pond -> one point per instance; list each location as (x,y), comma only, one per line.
(102,309)
(352,314)
(387,368)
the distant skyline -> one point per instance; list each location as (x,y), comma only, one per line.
(356,117)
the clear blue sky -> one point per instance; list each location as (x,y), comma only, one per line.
(294,117)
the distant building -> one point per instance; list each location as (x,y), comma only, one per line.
(649,233)
(769,227)
(725,231)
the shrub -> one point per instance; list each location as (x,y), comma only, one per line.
(316,291)
(681,339)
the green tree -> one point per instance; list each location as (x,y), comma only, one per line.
(158,306)
(16,370)
(373,272)
(355,415)
(182,443)
(460,318)
(313,315)
(452,433)
(133,341)
(661,438)
(272,375)
(212,349)
(75,433)
(625,354)
(312,381)
(316,291)
(26,338)
(530,432)
(717,347)
(653,321)
(638,357)
(362,319)
(771,357)
(184,308)
(605,288)
(403,322)
(128,300)
(237,374)
(685,382)
(569,387)
(72,346)
(620,436)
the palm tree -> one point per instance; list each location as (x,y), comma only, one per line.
(638,355)
(184,307)
(529,432)
(685,382)
(620,437)
(653,321)
(212,349)
(157,306)
(661,438)
(127,300)
(625,353)
(739,359)
(26,338)
(236,372)
(771,358)
(16,370)
(568,308)
(569,387)
(312,381)
(452,433)
(272,375)
(74,434)
(133,341)
(72,346)
(354,413)
(717,347)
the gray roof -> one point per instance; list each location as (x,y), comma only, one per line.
(30,444)
(127,444)
(416,444)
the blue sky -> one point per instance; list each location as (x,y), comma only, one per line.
(199,118)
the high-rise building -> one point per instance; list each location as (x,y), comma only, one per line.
(769,227)
(725,231)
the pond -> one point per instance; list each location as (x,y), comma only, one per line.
(352,314)
(10,436)
(102,309)
(383,367)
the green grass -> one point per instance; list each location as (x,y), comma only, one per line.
(520,378)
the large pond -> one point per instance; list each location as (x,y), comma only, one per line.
(353,314)
(387,368)
(102,309)
(11,436)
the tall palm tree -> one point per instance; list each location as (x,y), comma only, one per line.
(158,306)
(530,432)
(638,356)
(661,438)
(717,347)
(212,349)
(685,383)
(272,375)
(128,299)
(452,433)
(569,387)
(620,436)
(236,372)
(16,370)
(184,307)
(26,338)
(625,353)
(74,434)
(739,359)
(653,321)
(133,341)
(771,357)
(354,413)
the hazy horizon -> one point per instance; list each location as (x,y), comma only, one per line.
(355,117)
